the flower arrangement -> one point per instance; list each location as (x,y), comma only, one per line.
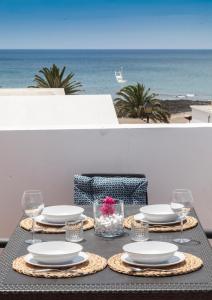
(107,207)
(108,216)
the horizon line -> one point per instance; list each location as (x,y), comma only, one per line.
(108,49)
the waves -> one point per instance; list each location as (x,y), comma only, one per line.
(188,96)
(173,74)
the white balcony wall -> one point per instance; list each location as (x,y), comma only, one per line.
(32,92)
(171,156)
(56,112)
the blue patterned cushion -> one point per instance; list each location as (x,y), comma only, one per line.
(130,190)
(83,192)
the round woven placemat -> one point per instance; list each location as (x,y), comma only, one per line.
(189,223)
(94,264)
(27,225)
(191,264)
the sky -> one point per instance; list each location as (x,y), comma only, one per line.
(105,24)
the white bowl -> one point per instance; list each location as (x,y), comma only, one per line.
(158,213)
(62,213)
(54,252)
(150,251)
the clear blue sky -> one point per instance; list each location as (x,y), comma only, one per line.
(105,24)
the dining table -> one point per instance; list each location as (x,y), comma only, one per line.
(108,284)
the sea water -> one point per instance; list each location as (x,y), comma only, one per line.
(173,74)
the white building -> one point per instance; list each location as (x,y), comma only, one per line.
(56,112)
(31,92)
(201,113)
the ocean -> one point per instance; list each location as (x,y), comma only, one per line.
(173,74)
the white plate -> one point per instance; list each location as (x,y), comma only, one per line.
(41,219)
(81,258)
(141,217)
(62,213)
(176,259)
(54,252)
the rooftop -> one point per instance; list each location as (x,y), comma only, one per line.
(55,112)
(203,108)
(31,92)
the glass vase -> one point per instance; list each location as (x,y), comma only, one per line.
(108,218)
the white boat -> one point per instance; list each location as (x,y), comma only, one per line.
(119,76)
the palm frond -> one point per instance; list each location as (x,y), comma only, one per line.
(132,100)
(53,77)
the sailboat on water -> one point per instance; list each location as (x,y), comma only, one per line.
(119,76)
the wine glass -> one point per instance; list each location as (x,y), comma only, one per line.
(32,204)
(181,204)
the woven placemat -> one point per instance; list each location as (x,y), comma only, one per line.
(189,223)
(94,264)
(192,263)
(27,225)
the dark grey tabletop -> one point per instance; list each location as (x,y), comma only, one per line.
(190,286)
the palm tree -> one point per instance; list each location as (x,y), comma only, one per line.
(135,101)
(54,78)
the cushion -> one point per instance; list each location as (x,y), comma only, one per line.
(129,189)
(83,193)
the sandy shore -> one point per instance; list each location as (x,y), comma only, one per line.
(180,117)
(179,109)
(175,118)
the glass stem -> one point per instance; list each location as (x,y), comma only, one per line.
(181,234)
(33,229)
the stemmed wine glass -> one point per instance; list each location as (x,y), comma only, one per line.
(181,204)
(32,204)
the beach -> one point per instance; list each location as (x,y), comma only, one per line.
(178,109)
(175,118)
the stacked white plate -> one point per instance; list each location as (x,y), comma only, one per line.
(152,254)
(60,214)
(158,214)
(55,254)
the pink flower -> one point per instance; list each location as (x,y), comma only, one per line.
(107,207)
(109,200)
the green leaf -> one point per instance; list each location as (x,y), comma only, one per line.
(53,77)
(132,101)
